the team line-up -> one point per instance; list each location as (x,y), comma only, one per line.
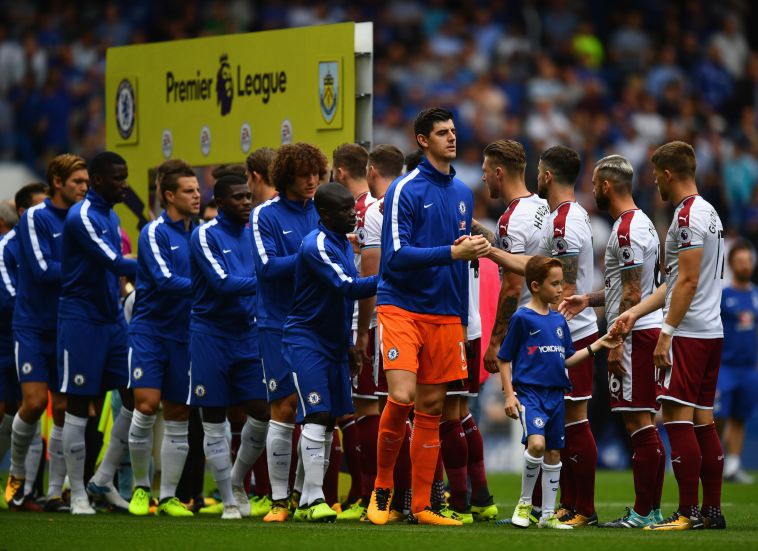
(356,304)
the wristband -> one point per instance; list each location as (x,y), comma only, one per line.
(589,351)
(668,329)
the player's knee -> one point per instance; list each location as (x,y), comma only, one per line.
(35,405)
(403,395)
(213,415)
(147,407)
(320,418)
(536,448)
(78,405)
(127,398)
(259,410)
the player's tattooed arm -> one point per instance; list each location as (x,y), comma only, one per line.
(631,288)
(478,229)
(507,304)
(570,272)
(596,298)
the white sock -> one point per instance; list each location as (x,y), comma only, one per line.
(117,446)
(218,455)
(174,451)
(252,443)
(6,429)
(551,477)
(21,439)
(529,476)
(73,451)
(279,456)
(57,465)
(731,464)
(297,486)
(313,452)
(328,439)
(141,447)
(33,459)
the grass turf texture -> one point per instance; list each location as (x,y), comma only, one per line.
(614,490)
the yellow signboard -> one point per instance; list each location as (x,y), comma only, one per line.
(213,100)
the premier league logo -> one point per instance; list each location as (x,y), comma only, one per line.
(224,85)
(560,245)
(685,235)
(125,109)
(328,89)
(392,354)
(314,398)
(627,255)
(505,243)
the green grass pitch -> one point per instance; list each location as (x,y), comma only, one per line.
(106,532)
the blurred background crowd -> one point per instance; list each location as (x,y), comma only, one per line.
(602,77)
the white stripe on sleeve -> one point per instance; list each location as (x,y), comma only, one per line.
(33,236)
(207,250)
(395,203)
(154,246)
(3,268)
(110,253)
(325,257)
(256,232)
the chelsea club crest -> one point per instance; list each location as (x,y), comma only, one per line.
(126,109)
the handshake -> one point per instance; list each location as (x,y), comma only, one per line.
(470,247)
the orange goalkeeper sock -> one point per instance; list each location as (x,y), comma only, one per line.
(425,449)
(391,435)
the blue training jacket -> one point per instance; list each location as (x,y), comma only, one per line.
(92,262)
(425,211)
(8,282)
(326,284)
(279,226)
(223,280)
(164,282)
(40,238)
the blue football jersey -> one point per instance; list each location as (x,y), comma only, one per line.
(537,346)
(739,310)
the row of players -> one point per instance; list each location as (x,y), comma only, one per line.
(423,301)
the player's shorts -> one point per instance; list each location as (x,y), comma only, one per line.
(581,375)
(430,346)
(92,357)
(694,371)
(637,389)
(157,362)
(364,386)
(469,386)
(736,392)
(36,360)
(223,372)
(542,412)
(322,383)
(276,370)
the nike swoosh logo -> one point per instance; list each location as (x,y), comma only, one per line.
(216,443)
(532,468)
(531,475)
(554,481)
(174,247)
(427,446)
(57,235)
(309,449)
(532,333)
(285,232)
(227,251)
(280,454)
(427,206)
